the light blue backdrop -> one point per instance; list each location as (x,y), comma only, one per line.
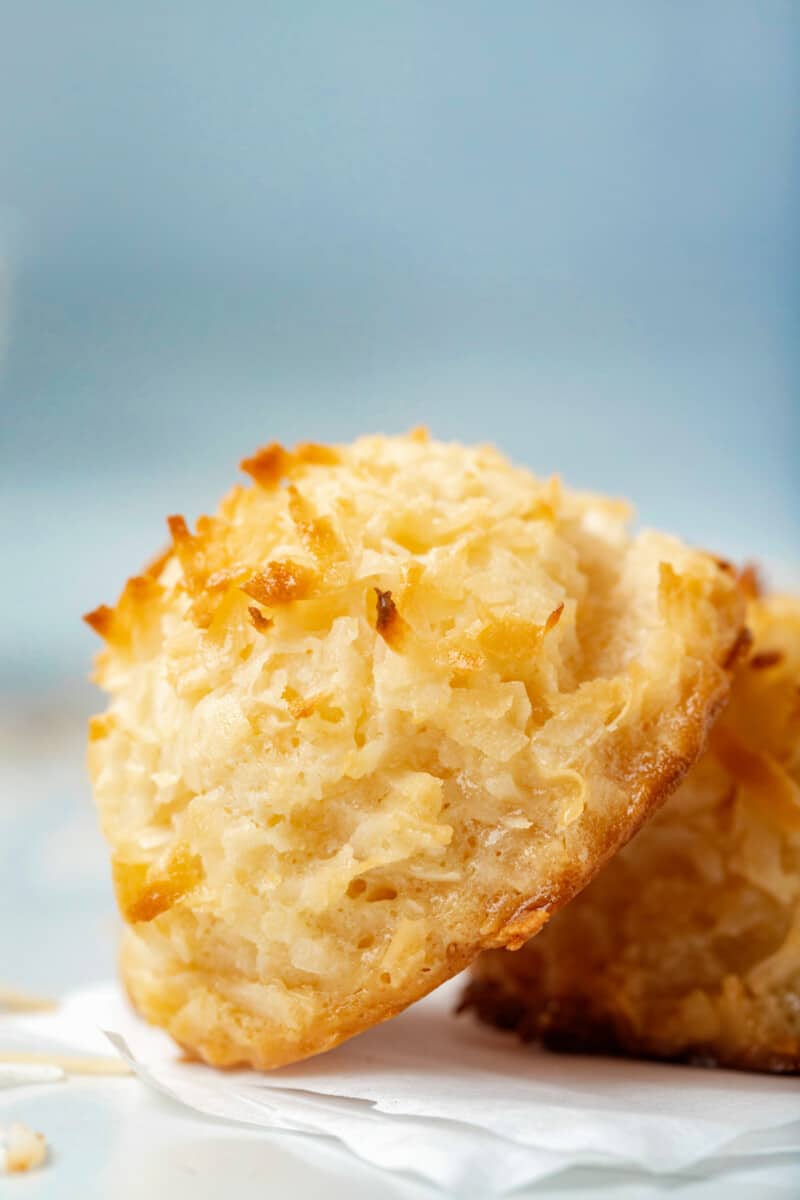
(568,227)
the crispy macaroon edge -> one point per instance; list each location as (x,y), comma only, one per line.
(576,1025)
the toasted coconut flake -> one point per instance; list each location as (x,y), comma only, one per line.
(100,619)
(511,641)
(388,622)
(554,618)
(522,927)
(188,552)
(317,533)
(179,530)
(767,658)
(268,465)
(142,898)
(258,620)
(750,581)
(25,1149)
(762,779)
(280,583)
(739,649)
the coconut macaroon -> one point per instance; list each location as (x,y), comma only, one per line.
(395,703)
(688,944)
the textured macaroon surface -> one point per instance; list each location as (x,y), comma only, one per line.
(396,702)
(688,944)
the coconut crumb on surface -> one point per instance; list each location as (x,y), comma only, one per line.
(17,1000)
(71,1064)
(25,1149)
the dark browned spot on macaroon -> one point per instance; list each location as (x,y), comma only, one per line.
(492,1004)
(554,618)
(741,644)
(179,530)
(766,658)
(750,581)
(281,583)
(142,898)
(268,465)
(100,619)
(388,622)
(258,620)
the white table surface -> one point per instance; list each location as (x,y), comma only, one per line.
(115,1138)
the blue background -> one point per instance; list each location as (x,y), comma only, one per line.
(569,227)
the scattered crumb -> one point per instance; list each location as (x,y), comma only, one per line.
(19,1001)
(25,1149)
(21,1074)
(72,1064)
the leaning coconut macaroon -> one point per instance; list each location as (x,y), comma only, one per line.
(394,704)
(687,946)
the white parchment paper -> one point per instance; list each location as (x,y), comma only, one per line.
(448,1100)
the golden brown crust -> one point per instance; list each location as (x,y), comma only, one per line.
(651,783)
(219,1043)
(572,1025)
